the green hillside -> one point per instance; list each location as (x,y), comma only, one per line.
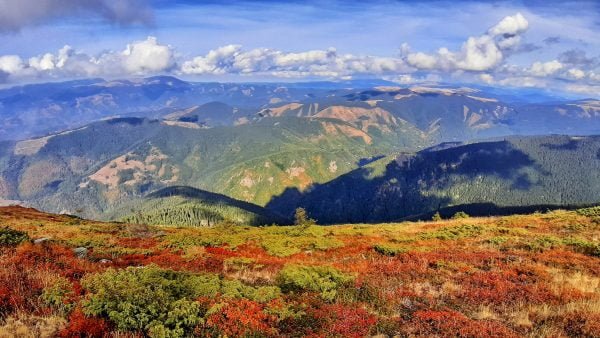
(185,206)
(480,177)
(94,170)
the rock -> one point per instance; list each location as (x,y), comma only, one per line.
(105,261)
(41,240)
(81,252)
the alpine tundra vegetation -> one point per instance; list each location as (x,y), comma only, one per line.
(282,168)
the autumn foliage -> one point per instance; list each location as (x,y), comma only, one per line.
(531,275)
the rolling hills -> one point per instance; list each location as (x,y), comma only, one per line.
(91,170)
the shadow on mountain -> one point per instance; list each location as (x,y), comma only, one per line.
(214,198)
(569,145)
(134,121)
(367,160)
(413,184)
(491,209)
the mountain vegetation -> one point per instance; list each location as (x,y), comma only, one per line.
(482,178)
(95,169)
(530,275)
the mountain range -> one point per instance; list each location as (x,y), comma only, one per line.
(357,151)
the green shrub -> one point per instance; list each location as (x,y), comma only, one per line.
(583,246)
(57,295)
(261,294)
(436,217)
(280,247)
(12,237)
(460,214)
(154,301)
(543,243)
(325,280)
(498,240)
(454,232)
(389,250)
(589,212)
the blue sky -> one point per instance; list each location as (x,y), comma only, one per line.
(545,44)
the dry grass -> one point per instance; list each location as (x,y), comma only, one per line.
(28,326)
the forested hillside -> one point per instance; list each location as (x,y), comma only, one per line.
(480,177)
(185,206)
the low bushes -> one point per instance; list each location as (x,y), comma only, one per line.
(152,300)
(325,280)
(12,237)
(160,302)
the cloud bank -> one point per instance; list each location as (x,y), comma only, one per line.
(481,58)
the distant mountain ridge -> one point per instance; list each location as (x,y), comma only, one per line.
(444,112)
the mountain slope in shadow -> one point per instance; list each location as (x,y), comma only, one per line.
(516,171)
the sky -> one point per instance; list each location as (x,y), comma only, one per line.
(552,45)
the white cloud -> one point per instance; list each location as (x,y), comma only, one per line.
(480,53)
(147,56)
(592,90)
(216,62)
(523,81)
(232,59)
(138,58)
(543,69)
(510,25)
(487,78)
(11,64)
(422,60)
(576,73)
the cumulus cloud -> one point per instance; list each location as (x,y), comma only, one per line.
(15,15)
(510,26)
(478,53)
(147,56)
(233,59)
(422,60)
(11,64)
(543,69)
(138,58)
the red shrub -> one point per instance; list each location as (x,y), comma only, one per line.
(345,320)
(504,287)
(453,324)
(580,324)
(241,317)
(81,326)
